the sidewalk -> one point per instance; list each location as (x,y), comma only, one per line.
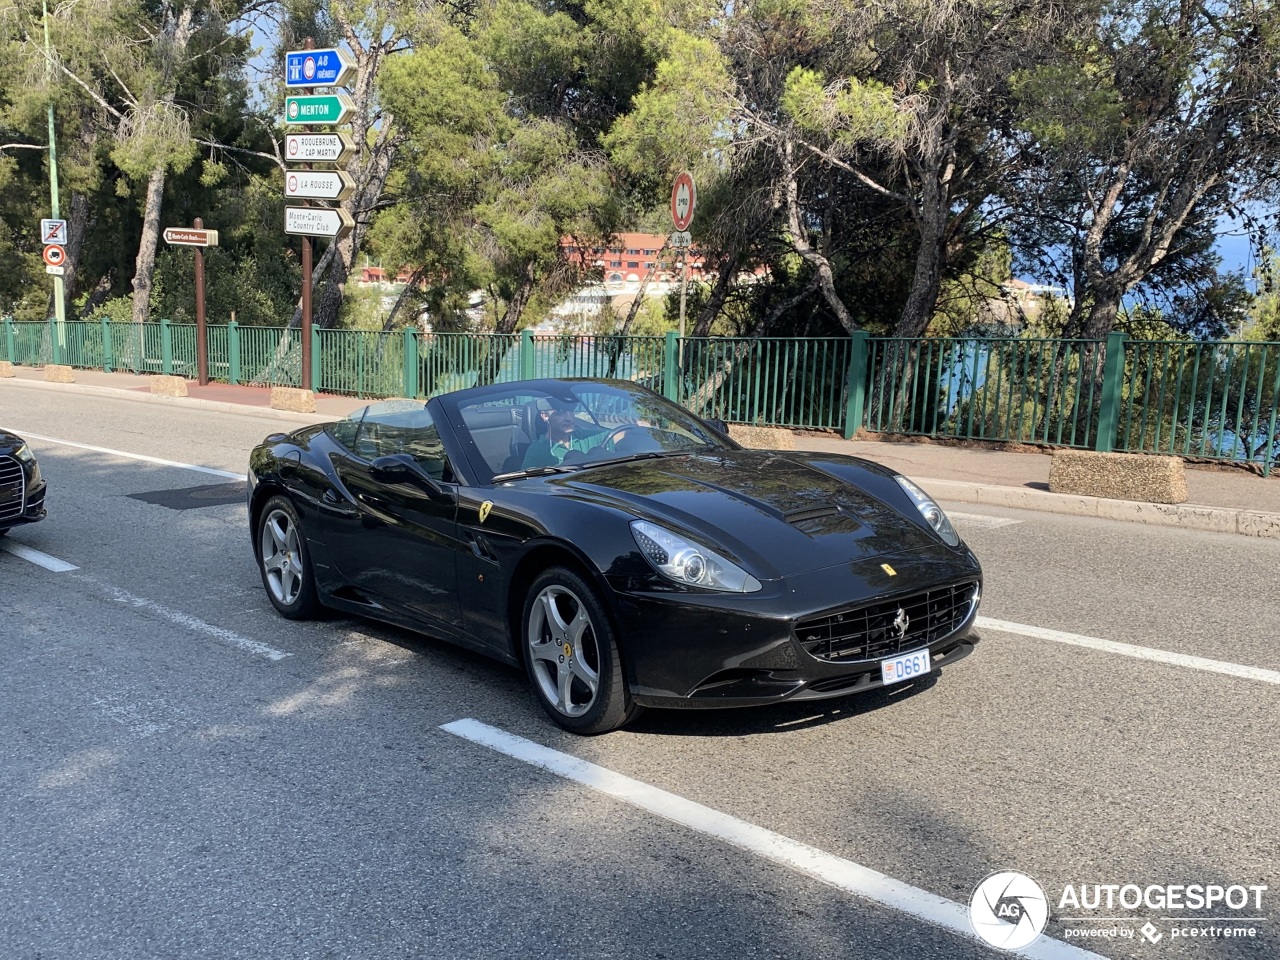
(1222,499)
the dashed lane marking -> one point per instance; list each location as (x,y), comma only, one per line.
(35,556)
(1132,650)
(825,867)
(982,520)
(132,456)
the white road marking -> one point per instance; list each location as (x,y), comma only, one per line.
(1131,650)
(982,520)
(132,456)
(36,557)
(228,637)
(836,871)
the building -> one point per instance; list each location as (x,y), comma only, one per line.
(622,265)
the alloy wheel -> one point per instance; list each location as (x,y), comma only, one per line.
(281,557)
(564,651)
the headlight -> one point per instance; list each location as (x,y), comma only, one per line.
(687,562)
(931,512)
(24,454)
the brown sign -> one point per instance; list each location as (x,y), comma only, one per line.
(189,237)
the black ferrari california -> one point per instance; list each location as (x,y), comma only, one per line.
(623,551)
(22,489)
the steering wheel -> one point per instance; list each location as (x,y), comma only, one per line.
(621,433)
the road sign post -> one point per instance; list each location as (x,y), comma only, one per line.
(684,197)
(307,69)
(197,237)
(59,288)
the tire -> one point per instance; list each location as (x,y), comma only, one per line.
(583,689)
(284,562)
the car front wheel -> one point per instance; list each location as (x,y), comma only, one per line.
(572,657)
(284,562)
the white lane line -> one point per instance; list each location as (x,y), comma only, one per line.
(227,637)
(1131,650)
(131,456)
(982,520)
(36,557)
(836,871)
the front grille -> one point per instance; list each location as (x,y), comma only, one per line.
(874,632)
(12,488)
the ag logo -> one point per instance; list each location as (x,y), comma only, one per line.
(1008,910)
(484,510)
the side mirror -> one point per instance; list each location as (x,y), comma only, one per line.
(397,468)
(718,425)
(402,468)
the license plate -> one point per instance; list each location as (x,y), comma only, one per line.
(905,667)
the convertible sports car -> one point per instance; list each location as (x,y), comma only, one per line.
(21,487)
(624,551)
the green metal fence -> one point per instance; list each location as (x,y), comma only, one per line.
(1010,390)
(1216,400)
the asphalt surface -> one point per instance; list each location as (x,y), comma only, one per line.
(185,774)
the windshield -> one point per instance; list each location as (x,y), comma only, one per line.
(523,429)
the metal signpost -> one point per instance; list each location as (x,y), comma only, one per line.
(307,69)
(684,197)
(197,237)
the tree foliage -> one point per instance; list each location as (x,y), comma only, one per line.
(870,166)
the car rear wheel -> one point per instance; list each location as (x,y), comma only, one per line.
(284,562)
(572,657)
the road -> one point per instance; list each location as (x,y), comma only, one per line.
(188,775)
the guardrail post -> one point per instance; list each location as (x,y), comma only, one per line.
(856,385)
(410,362)
(316,365)
(1112,389)
(670,367)
(11,347)
(528,370)
(106,345)
(166,347)
(233,353)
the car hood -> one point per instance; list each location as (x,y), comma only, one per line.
(777,513)
(9,441)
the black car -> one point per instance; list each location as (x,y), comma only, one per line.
(624,551)
(22,489)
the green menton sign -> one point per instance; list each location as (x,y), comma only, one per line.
(330,108)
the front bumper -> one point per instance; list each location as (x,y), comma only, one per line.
(691,651)
(24,504)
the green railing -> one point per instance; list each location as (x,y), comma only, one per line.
(1009,390)
(1216,400)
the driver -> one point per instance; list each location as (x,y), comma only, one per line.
(551,449)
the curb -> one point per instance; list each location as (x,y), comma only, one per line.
(220,406)
(1188,516)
